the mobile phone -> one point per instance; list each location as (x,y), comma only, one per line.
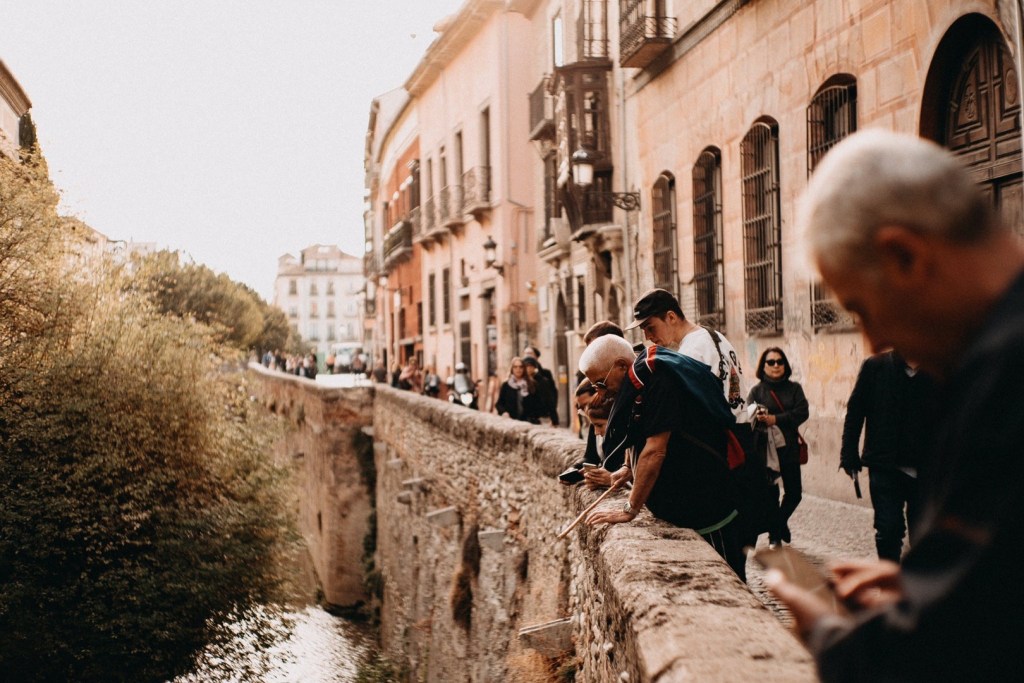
(589,465)
(571,476)
(799,570)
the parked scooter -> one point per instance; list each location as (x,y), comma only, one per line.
(462,390)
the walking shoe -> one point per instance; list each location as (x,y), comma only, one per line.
(786,536)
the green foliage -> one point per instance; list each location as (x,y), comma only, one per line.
(140,512)
(236,313)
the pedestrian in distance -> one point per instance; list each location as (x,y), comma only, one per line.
(544,402)
(892,403)
(431,383)
(516,393)
(782,409)
(411,377)
(910,244)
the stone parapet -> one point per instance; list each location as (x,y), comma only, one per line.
(646,601)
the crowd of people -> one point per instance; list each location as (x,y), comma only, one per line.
(910,245)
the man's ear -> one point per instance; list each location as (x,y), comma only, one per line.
(904,256)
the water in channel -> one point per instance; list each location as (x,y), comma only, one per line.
(320,648)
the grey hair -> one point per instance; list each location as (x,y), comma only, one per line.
(876,178)
(602,353)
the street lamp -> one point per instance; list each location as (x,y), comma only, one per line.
(490,256)
(583,174)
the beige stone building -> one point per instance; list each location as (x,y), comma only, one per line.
(733,112)
(701,122)
(321,293)
(448,178)
(16,129)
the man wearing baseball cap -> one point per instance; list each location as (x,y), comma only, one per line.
(658,314)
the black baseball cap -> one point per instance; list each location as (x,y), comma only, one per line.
(653,302)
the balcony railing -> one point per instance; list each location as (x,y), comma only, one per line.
(542,111)
(371,265)
(450,206)
(476,190)
(397,244)
(428,213)
(415,221)
(642,37)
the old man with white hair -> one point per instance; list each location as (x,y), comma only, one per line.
(672,411)
(912,246)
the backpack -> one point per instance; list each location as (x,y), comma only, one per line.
(694,375)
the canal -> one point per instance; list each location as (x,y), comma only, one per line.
(319,648)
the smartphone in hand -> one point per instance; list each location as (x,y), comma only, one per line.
(799,570)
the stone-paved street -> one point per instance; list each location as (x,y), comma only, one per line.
(823,530)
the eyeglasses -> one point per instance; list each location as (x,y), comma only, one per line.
(772,362)
(602,384)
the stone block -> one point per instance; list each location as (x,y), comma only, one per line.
(551,639)
(492,539)
(405,498)
(415,484)
(380,449)
(395,464)
(367,430)
(444,517)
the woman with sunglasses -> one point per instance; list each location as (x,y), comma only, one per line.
(782,409)
(517,394)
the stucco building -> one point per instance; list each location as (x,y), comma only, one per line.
(702,121)
(446,179)
(16,128)
(735,110)
(321,293)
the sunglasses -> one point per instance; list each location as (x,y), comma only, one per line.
(771,362)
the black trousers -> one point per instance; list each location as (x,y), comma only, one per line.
(726,542)
(892,491)
(778,519)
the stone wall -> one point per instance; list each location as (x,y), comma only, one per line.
(468,510)
(334,505)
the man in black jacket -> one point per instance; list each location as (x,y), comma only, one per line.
(892,402)
(547,381)
(908,242)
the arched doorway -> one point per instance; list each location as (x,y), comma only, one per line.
(971,105)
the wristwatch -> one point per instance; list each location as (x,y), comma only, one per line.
(628,509)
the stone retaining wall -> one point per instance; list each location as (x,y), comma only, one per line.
(637,602)
(475,585)
(334,505)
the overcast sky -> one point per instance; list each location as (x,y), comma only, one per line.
(232,130)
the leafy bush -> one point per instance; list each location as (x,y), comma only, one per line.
(139,511)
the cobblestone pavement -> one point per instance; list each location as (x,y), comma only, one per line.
(823,530)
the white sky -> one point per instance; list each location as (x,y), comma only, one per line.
(232,130)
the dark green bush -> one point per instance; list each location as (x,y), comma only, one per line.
(139,511)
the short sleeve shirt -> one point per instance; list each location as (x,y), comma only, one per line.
(693,488)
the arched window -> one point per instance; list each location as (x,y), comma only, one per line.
(972,106)
(831,116)
(708,261)
(663,202)
(762,233)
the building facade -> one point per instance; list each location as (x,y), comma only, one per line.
(700,123)
(733,112)
(321,294)
(16,128)
(446,180)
